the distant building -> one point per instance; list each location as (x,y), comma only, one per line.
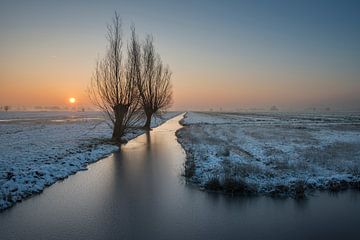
(274,108)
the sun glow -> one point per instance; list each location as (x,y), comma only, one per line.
(72,100)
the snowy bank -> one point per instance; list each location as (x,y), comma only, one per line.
(40,148)
(278,154)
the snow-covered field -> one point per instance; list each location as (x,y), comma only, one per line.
(279,154)
(39,148)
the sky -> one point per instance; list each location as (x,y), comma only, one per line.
(223,54)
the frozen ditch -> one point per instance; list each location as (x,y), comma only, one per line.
(39,148)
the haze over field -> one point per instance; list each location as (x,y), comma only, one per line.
(236,55)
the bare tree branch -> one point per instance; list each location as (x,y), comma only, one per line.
(154,82)
(113,85)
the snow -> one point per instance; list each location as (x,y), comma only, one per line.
(268,151)
(40,148)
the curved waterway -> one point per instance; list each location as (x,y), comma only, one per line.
(138,193)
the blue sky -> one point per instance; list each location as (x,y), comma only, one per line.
(229,54)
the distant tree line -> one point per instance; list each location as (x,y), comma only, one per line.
(5,108)
(132,84)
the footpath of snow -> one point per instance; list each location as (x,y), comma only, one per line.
(39,148)
(281,154)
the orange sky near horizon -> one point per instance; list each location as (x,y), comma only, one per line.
(50,85)
(52,80)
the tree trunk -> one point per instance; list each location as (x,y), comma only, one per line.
(120,111)
(148,114)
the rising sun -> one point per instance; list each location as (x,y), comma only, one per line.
(72,100)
